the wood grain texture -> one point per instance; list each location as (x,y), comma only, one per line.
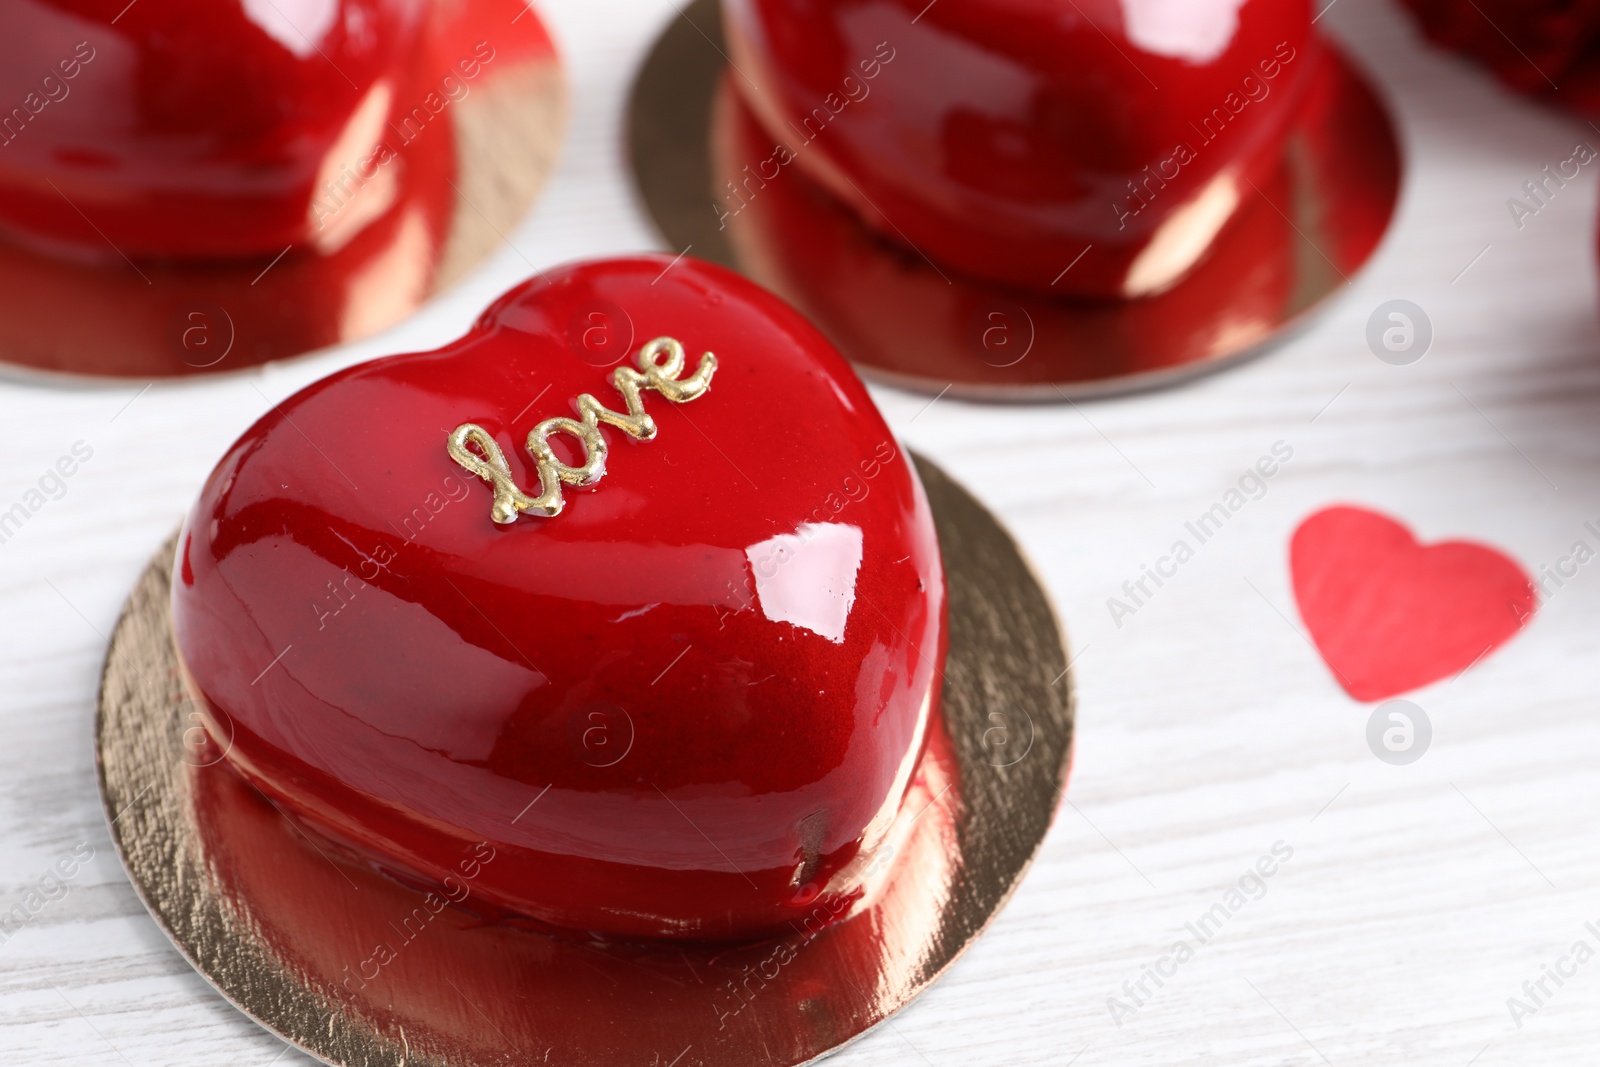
(1417,899)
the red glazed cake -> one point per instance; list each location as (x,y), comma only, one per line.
(202,129)
(1533,46)
(629,594)
(1008,138)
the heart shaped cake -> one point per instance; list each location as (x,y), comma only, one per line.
(1094,148)
(628,597)
(192,128)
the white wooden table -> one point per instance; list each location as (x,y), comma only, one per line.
(1418,899)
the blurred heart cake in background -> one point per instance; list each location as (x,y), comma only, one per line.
(204,129)
(1011,139)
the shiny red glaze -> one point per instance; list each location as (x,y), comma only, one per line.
(1002,139)
(425,976)
(198,128)
(899,318)
(895,315)
(611,698)
(201,316)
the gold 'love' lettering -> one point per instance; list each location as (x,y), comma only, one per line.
(471,446)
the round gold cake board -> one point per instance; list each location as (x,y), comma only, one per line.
(355,970)
(905,322)
(484,147)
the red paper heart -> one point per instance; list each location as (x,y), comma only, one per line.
(1389,614)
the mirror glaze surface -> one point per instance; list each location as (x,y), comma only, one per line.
(689,705)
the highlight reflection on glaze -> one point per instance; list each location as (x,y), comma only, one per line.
(998,140)
(198,128)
